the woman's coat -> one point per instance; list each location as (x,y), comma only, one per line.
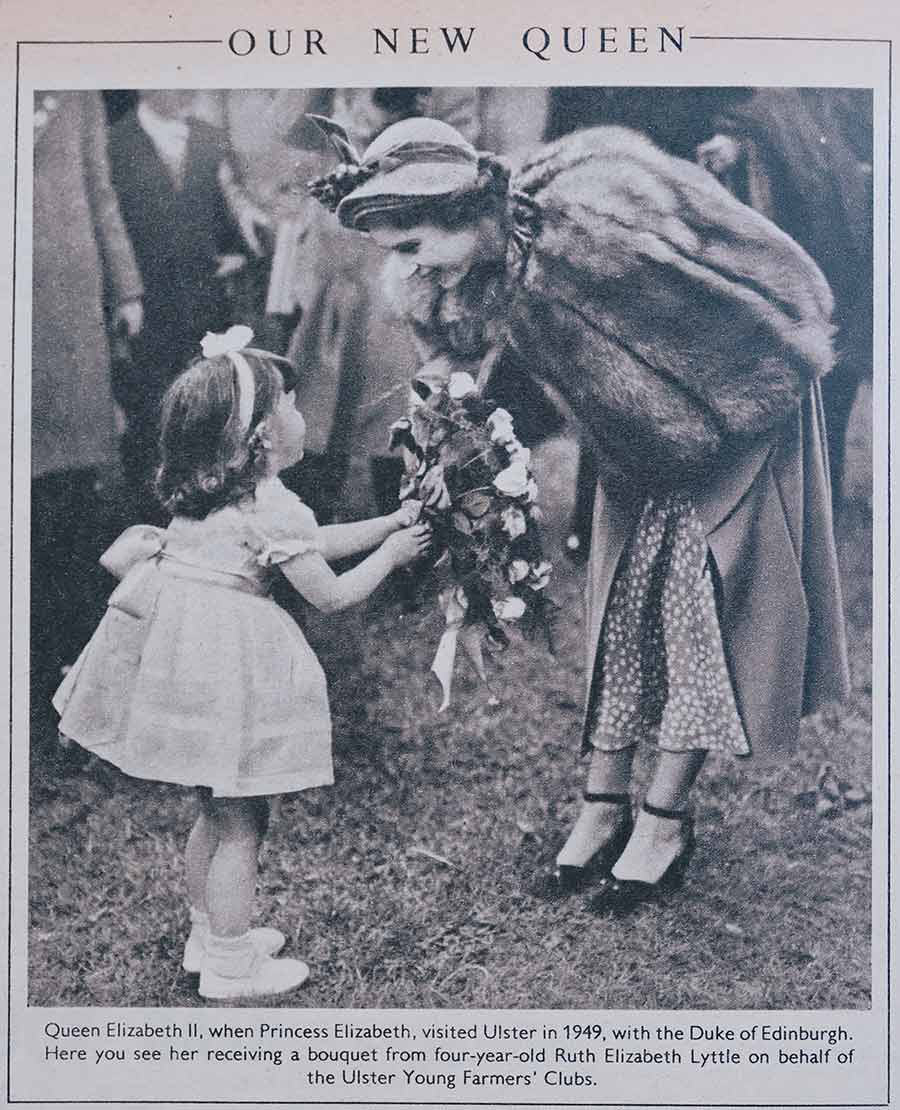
(82,263)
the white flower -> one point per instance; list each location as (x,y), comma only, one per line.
(235,339)
(512,521)
(518,569)
(531,490)
(518,453)
(500,426)
(508,609)
(540,575)
(513,481)
(460,385)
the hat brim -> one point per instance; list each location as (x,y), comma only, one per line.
(412,181)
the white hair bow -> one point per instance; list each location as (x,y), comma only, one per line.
(229,342)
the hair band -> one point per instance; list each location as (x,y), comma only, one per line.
(233,343)
(246,389)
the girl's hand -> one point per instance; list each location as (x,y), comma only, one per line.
(408,513)
(408,544)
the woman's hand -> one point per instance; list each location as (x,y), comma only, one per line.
(408,513)
(408,544)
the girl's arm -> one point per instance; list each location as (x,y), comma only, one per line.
(312,577)
(337,541)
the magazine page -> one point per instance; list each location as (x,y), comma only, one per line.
(449,526)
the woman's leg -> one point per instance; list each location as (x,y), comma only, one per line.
(656,841)
(609,773)
(231,881)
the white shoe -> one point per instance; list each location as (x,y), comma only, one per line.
(248,974)
(269,977)
(267,941)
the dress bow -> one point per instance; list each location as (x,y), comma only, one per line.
(135,545)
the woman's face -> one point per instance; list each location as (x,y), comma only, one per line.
(429,249)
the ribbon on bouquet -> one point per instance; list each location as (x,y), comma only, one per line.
(454,604)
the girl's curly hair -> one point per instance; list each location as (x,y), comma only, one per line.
(208,460)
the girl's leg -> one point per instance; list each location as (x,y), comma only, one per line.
(609,773)
(231,882)
(201,846)
(656,841)
(238,961)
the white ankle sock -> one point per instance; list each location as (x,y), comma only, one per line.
(231,957)
(655,842)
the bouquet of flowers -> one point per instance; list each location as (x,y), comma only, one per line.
(474,476)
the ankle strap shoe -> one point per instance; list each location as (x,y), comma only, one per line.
(566,879)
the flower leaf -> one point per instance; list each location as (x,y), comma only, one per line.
(462,523)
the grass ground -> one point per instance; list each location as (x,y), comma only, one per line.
(403,885)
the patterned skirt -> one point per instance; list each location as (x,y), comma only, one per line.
(661,673)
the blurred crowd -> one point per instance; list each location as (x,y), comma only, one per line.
(164,214)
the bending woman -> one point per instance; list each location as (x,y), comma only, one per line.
(688,335)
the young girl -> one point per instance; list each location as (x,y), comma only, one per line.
(194,675)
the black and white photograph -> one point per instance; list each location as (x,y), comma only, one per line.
(451,546)
(450,543)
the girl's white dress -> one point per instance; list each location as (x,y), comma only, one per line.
(194,675)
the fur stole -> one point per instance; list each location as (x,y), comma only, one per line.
(673,319)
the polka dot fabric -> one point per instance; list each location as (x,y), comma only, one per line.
(662,674)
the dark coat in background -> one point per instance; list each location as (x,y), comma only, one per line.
(675,119)
(177,235)
(806,163)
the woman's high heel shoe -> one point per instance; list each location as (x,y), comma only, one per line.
(619,897)
(566,879)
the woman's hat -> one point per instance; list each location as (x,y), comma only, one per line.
(416,158)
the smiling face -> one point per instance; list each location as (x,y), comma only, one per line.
(430,249)
(287,432)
